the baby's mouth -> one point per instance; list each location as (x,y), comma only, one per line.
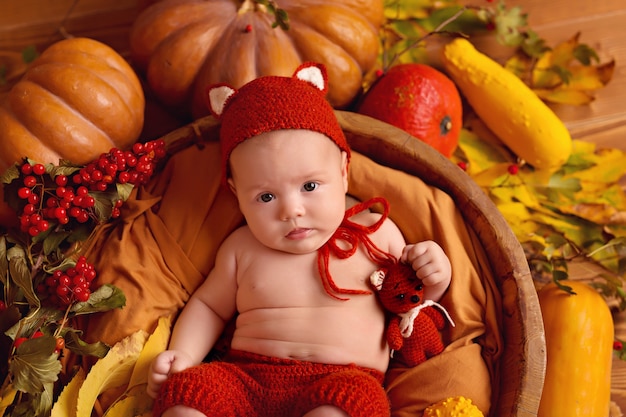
(298,233)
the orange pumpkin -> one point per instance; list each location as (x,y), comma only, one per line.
(185,45)
(420,100)
(78,99)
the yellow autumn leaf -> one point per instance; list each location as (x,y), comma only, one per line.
(594,212)
(491,177)
(114,370)
(519,218)
(519,64)
(588,77)
(560,96)
(561,55)
(157,343)
(559,75)
(136,402)
(481,148)
(7,398)
(65,405)
(608,168)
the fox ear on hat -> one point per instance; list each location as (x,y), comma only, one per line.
(217,96)
(313,73)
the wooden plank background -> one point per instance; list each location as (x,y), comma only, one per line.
(600,22)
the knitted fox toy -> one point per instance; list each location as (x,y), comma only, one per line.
(414,329)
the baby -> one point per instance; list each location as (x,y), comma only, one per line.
(309,335)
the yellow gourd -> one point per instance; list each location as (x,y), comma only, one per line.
(453,407)
(508,107)
(579,340)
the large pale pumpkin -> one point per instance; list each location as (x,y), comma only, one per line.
(185,45)
(78,99)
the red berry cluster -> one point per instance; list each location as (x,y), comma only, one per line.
(48,202)
(60,199)
(135,166)
(72,285)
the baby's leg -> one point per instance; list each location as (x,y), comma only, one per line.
(324,411)
(182,411)
(350,392)
(211,389)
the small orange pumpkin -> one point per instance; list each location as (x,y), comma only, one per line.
(420,100)
(185,45)
(77,100)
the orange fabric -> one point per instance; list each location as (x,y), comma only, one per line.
(423,212)
(165,244)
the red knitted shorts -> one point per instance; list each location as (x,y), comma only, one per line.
(248,385)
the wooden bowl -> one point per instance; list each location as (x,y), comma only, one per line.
(522,365)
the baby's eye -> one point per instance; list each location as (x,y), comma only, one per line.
(266,198)
(310,186)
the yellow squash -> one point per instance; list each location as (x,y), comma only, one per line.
(579,341)
(508,107)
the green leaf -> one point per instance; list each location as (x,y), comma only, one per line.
(35,319)
(560,187)
(21,276)
(124,190)
(53,240)
(105,298)
(533,45)
(65,167)
(585,54)
(35,364)
(407,9)
(29,54)
(10,174)
(467,22)
(508,25)
(76,345)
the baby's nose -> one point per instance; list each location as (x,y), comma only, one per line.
(291,209)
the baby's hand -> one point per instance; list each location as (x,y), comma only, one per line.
(166,363)
(431,265)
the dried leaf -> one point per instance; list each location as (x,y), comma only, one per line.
(566,75)
(157,343)
(65,406)
(112,371)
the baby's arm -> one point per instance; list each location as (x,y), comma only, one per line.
(200,323)
(431,265)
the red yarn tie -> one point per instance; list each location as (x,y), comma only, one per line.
(352,233)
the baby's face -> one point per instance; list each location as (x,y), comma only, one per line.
(291,187)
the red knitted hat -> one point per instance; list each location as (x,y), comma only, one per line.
(272,103)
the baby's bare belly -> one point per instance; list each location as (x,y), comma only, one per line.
(321,334)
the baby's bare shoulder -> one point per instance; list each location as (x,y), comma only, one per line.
(388,236)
